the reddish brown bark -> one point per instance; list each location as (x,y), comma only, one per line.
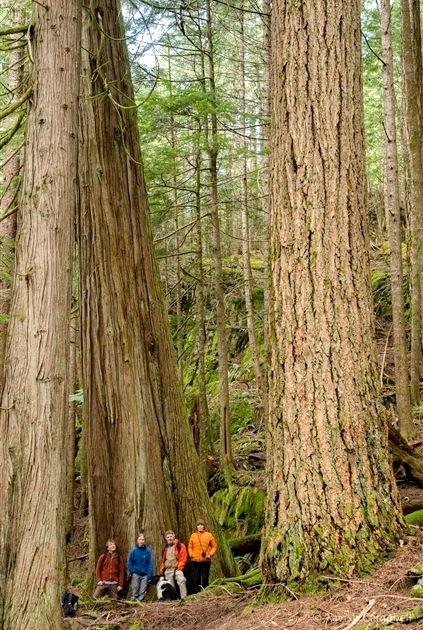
(332,500)
(143,468)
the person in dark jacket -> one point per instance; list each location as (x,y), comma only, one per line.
(140,566)
(109,572)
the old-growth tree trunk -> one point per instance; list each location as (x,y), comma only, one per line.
(332,502)
(35,396)
(143,468)
(412,72)
(393,220)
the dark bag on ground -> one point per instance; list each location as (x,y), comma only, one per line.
(69,604)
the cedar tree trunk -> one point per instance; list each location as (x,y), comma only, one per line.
(34,407)
(144,473)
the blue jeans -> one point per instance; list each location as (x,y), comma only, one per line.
(138,586)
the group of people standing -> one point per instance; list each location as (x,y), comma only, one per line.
(110,570)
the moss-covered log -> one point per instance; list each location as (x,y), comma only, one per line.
(415,518)
(233,584)
(403,617)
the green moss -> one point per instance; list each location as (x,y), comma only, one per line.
(416,591)
(415,518)
(271,594)
(416,571)
(239,510)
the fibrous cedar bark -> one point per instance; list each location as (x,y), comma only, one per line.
(144,473)
(393,220)
(35,396)
(332,500)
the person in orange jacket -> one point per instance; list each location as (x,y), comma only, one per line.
(174,561)
(109,572)
(201,548)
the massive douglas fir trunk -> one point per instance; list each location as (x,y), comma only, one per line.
(332,501)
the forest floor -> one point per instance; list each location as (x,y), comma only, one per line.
(349,604)
(367,603)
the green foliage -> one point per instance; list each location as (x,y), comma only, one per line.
(239,510)
(381,285)
(418,412)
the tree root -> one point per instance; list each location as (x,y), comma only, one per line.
(233,584)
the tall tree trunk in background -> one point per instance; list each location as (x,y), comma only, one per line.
(265,137)
(143,468)
(204,416)
(393,220)
(226,456)
(34,404)
(413,122)
(70,435)
(248,276)
(178,292)
(8,200)
(332,500)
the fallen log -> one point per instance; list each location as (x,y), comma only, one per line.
(245,544)
(411,505)
(402,451)
(413,465)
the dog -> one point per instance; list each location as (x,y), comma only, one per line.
(165,591)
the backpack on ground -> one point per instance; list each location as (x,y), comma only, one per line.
(69,604)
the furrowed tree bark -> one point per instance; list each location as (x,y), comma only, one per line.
(393,220)
(34,403)
(412,73)
(332,499)
(143,468)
